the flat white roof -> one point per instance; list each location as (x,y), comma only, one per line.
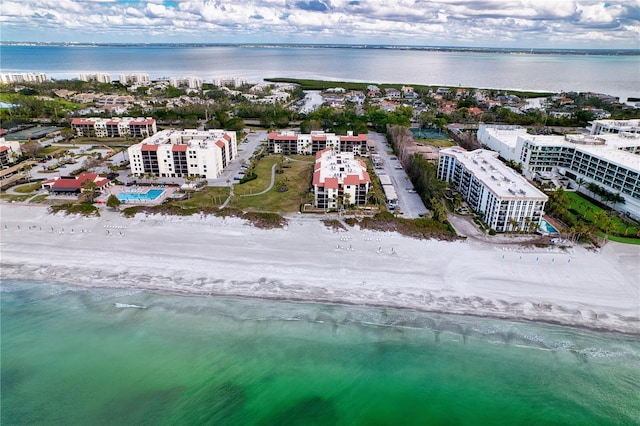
(171,136)
(340,165)
(612,150)
(620,125)
(506,134)
(500,179)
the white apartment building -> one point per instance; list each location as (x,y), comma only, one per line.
(193,83)
(609,159)
(182,153)
(288,142)
(605,127)
(10,151)
(114,127)
(100,77)
(230,82)
(25,77)
(507,200)
(339,179)
(138,78)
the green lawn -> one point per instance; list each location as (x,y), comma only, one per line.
(298,176)
(29,187)
(212,196)
(60,103)
(586,209)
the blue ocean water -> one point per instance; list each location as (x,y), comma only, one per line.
(617,75)
(74,356)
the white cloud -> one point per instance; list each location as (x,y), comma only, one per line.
(570,23)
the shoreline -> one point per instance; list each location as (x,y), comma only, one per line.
(307,262)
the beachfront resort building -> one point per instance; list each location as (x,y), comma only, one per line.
(99,77)
(137,79)
(230,82)
(606,127)
(609,157)
(10,151)
(339,179)
(193,83)
(114,127)
(24,77)
(183,153)
(288,143)
(507,201)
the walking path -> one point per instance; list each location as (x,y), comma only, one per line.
(273,179)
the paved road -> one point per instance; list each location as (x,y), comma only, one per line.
(410,204)
(245,151)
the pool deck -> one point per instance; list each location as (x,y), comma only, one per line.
(558,226)
(168,192)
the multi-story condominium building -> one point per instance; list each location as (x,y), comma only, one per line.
(182,153)
(609,159)
(605,127)
(100,77)
(114,127)
(194,83)
(139,78)
(230,82)
(25,77)
(507,201)
(10,151)
(288,142)
(339,179)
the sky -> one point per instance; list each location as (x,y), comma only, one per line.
(474,23)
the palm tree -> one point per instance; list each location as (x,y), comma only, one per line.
(27,169)
(89,187)
(515,225)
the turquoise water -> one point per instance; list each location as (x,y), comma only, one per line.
(547,227)
(72,357)
(150,195)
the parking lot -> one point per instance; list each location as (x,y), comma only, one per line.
(409,203)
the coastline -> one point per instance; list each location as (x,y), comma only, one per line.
(308,262)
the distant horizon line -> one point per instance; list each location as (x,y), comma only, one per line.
(534,50)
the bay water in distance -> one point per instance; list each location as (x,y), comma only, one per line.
(608,72)
(73,356)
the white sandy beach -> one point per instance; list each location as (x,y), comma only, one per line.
(307,261)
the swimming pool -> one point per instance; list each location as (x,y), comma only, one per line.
(547,228)
(150,195)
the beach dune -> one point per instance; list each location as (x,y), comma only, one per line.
(207,255)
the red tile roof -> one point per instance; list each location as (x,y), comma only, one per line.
(318,138)
(220,144)
(331,183)
(4,148)
(284,137)
(352,180)
(359,138)
(146,147)
(74,184)
(227,137)
(80,121)
(179,148)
